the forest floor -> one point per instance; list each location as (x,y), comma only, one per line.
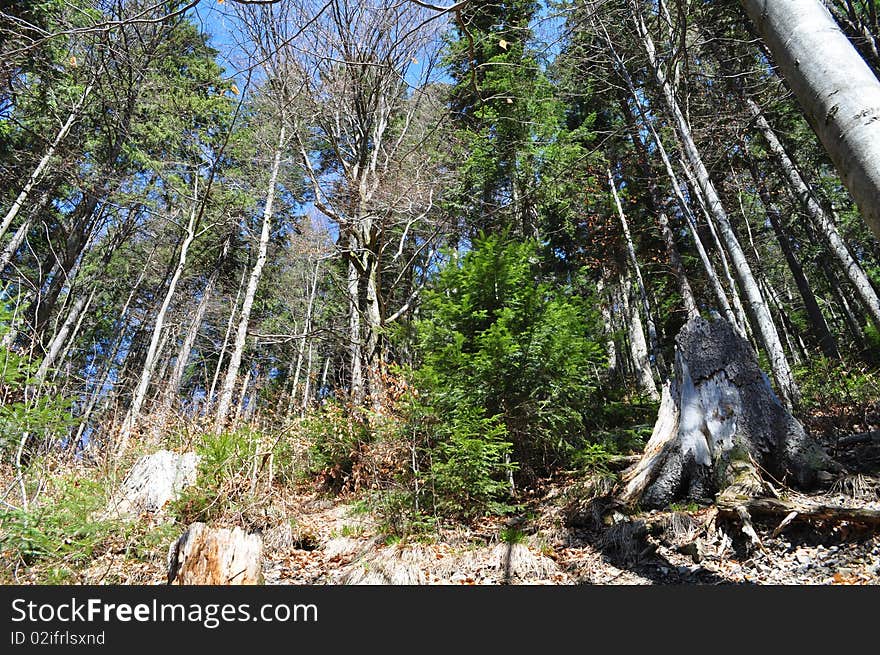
(560,536)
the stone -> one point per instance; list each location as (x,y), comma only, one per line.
(153,481)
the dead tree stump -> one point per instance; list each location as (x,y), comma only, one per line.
(720,424)
(215,556)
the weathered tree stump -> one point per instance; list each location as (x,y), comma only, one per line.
(153,481)
(215,556)
(719,425)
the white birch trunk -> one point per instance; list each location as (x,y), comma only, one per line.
(638,346)
(64,332)
(781,370)
(257,271)
(824,223)
(140,393)
(37,173)
(837,90)
(640,283)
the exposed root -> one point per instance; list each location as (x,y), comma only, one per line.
(858,487)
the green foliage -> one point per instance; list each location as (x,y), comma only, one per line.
(512,535)
(827,382)
(499,340)
(61,527)
(222,483)
(468,475)
(335,438)
(46,416)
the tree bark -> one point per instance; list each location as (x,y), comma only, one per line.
(838,92)
(152,356)
(37,173)
(640,283)
(215,556)
(638,346)
(817,320)
(824,223)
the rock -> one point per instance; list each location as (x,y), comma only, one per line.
(152,482)
(215,556)
(803,557)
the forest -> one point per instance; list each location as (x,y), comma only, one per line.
(440,292)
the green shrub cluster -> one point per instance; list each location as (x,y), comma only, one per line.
(827,382)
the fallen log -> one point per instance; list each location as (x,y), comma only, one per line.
(863,437)
(729,506)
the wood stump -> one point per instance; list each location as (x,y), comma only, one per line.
(215,556)
(720,425)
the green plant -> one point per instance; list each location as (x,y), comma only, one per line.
(499,342)
(827,382)
(59,534)
(37,420)
(512,535)
(222,482)
(469,474)
(593,457)
(335,439)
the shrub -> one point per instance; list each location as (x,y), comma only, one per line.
(222,485)
(471,466)
(335,437)
(828,382)
(39,420)
(511,347)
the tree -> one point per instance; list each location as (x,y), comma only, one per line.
(501,341)
(839,93)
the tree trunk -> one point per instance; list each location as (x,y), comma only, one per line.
(152,356)
(215,556)
(821,219)
(372,340)
(741,321)
(638,346)
(779,364)
(640,283)
(37,173)
(63,333)
(241,336)
(719,422)
(606,300)
(173,387)
(838,92)
(817,320)
(356,382)
(232,311)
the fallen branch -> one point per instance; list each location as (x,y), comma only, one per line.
(802,511)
